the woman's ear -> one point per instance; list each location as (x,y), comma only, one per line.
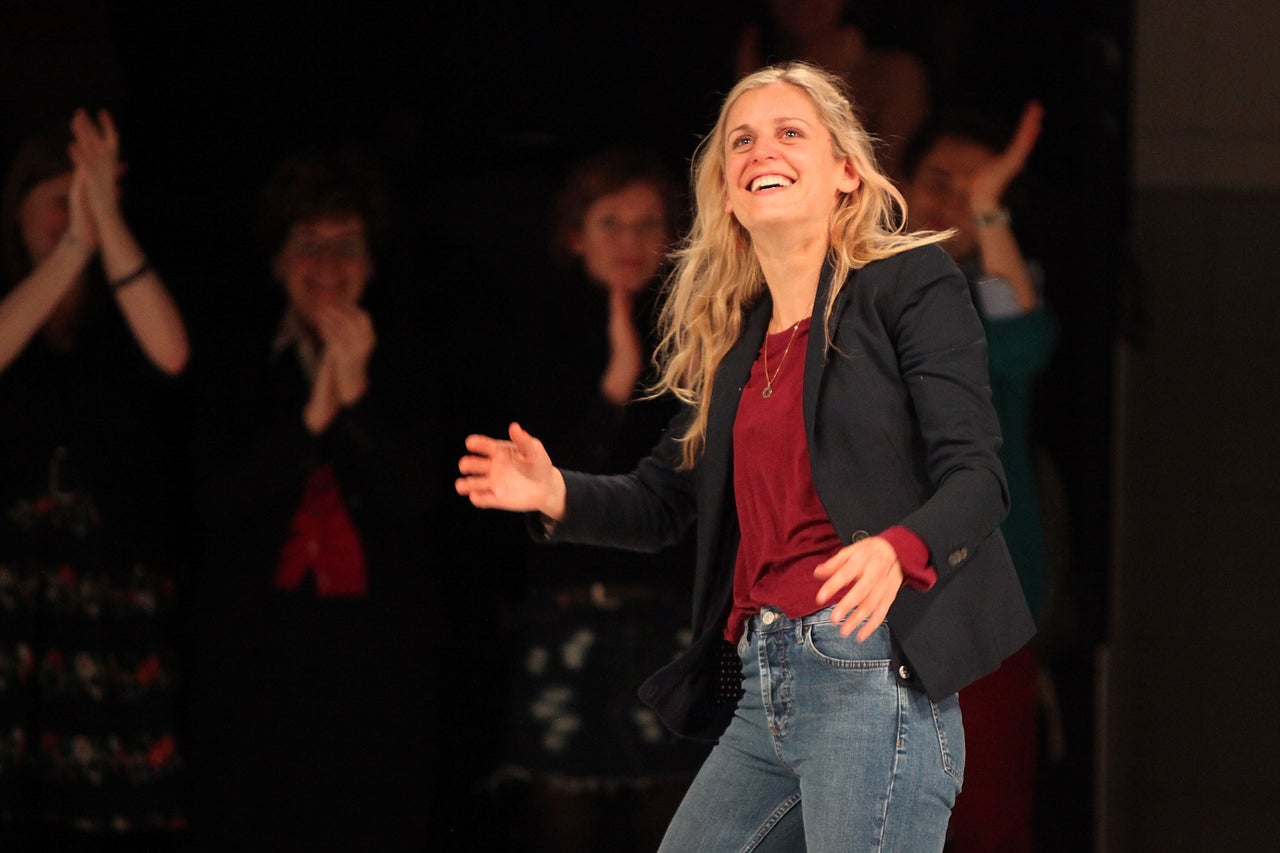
(850,180)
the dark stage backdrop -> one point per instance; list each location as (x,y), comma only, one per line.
(473,111)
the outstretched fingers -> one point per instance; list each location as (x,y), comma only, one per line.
(516,474)
(477,469)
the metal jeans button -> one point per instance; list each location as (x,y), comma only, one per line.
(768,617)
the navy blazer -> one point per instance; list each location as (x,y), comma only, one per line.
(898,417)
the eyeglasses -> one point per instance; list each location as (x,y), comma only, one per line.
(350,248)
(646,229)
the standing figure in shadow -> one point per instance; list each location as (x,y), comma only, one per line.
(90,344)
(595,766)
(309,708)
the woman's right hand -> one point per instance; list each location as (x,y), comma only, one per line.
(626,350)
(514,475)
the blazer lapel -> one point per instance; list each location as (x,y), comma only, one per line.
(715,467)
(732,376)
(819,349)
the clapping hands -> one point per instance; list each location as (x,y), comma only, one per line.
(95,194)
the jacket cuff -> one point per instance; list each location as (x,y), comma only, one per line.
(913,556)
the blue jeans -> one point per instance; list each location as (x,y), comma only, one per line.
(828,751)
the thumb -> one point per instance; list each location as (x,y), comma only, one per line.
(528,447)
(523,441)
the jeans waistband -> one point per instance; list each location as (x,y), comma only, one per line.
(771,620)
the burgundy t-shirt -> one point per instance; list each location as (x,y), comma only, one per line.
(785,530)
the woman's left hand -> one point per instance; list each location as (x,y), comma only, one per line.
(871,571)
(986,188)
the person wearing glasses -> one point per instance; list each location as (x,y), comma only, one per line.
(311,467)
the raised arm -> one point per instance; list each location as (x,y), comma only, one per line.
(997,245)
(144,301)
(25,308)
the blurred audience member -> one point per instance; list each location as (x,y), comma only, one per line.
(89,339)
(311,725)
(600,769)
(958,175)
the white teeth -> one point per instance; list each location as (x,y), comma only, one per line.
(765,182)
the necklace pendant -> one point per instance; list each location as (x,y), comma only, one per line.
(767,392)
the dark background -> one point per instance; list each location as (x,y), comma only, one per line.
(473,112)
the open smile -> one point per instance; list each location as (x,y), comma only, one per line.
(769,182)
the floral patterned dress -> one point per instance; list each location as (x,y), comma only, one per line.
(592,623)
(89,742)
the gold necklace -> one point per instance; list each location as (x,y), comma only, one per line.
(767,392)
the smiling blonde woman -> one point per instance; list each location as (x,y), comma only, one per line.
(843,478)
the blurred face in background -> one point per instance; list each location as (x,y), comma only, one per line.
(807,19)
(938,193)
(623,238)
(324,261)
(43,216)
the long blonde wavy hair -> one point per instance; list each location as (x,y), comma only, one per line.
(717,275)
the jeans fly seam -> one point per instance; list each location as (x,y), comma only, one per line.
(785,695)
(766,688)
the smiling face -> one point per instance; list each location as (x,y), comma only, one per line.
(781,171)
(324,261)
(623,237)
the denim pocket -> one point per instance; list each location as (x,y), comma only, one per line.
(946,721)
(825,644)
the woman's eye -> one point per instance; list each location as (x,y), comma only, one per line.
(791,133)
(740,141)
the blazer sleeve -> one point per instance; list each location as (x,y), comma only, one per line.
(942,357)
(649,509)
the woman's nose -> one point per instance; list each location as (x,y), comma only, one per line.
(765,149)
